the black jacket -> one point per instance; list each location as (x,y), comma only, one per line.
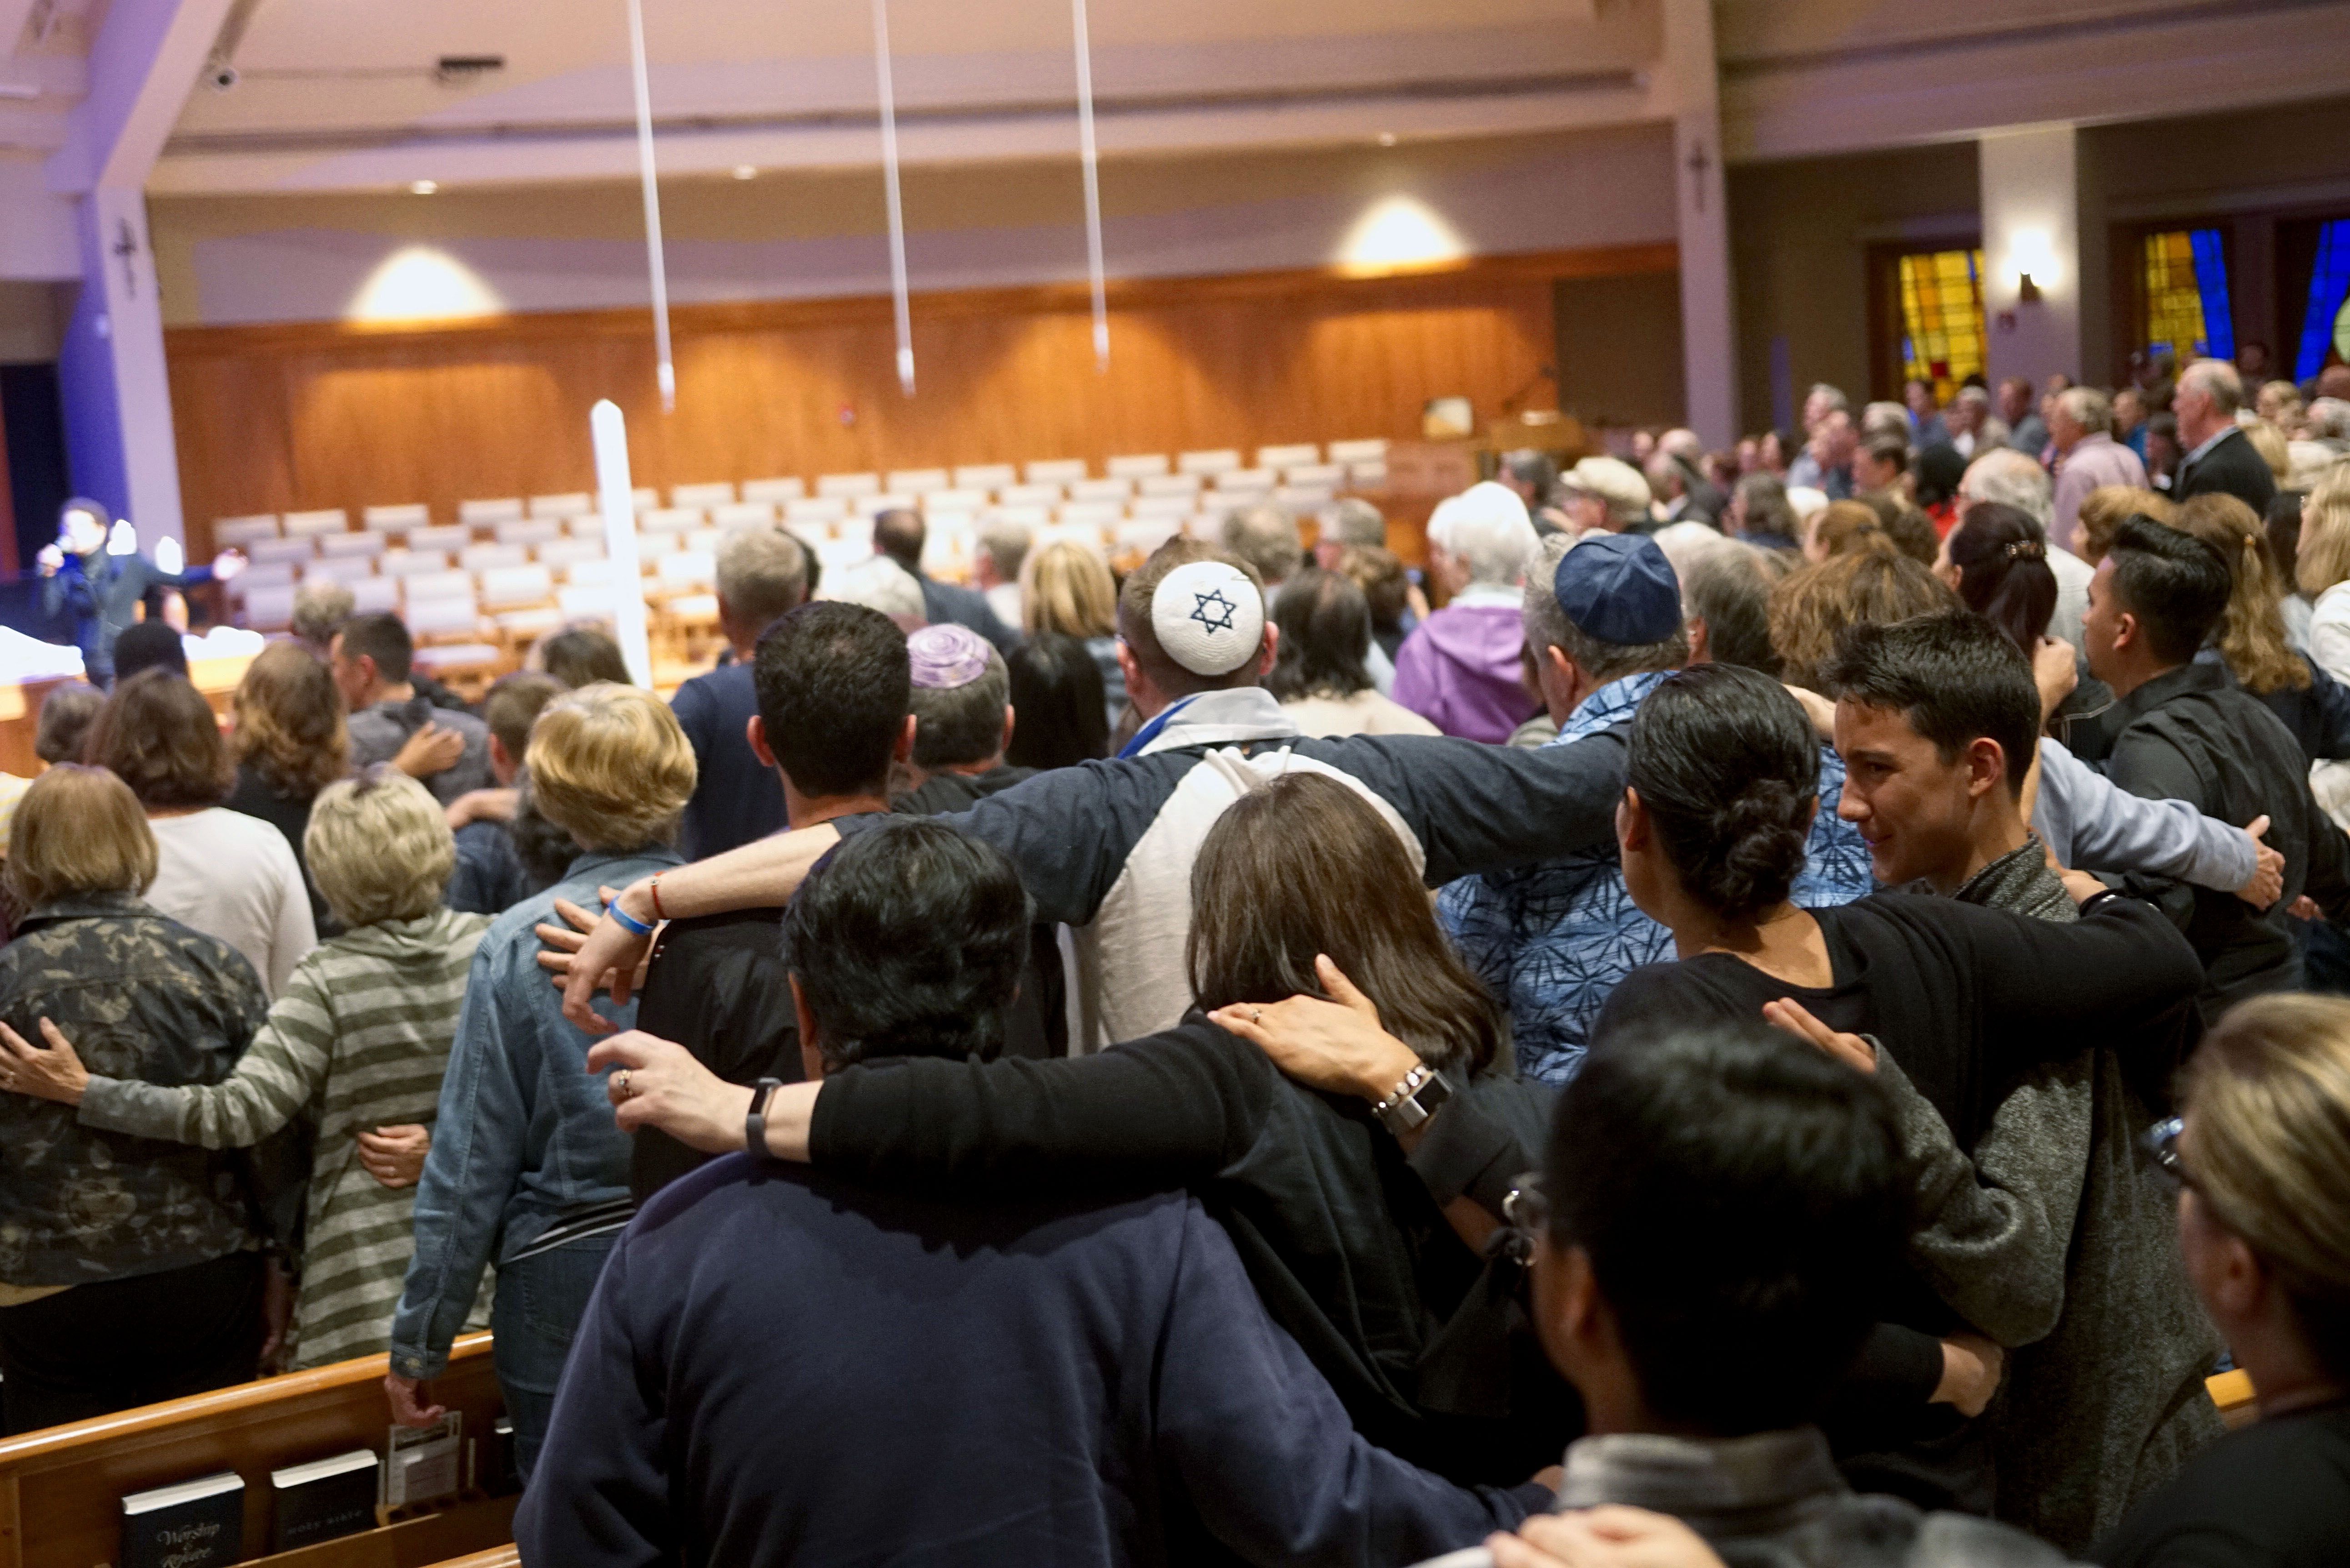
(1341,1235)
(2192,734)
(966,607)
(2233,467)
(104,598)
(2318,715)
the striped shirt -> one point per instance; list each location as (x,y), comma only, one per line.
(358,1040)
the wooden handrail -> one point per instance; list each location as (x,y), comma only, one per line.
(14,1451)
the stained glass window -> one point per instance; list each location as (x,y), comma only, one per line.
(1942,318)
(2187,309)
(2325,330)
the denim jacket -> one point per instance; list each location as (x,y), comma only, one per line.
(1551,941)
(141,996)
(523,1135)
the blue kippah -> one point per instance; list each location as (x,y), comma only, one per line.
(1620,589)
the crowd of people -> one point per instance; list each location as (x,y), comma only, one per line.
(1762,1007)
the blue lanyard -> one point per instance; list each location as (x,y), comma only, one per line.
(1149,733)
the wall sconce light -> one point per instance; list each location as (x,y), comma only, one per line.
(2034,256)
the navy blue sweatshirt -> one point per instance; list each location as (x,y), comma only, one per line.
(776,1368)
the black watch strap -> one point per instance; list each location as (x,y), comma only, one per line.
(754,1126)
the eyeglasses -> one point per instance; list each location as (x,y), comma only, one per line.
(1527,1207)
(2162,1147)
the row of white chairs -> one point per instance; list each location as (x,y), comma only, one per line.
(1304,468)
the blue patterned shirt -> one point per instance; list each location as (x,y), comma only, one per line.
(1552,940)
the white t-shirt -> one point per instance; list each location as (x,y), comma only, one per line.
(234,876)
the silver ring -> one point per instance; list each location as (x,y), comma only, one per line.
(1256,1016)
(621,1082)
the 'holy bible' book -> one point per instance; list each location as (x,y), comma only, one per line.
(323,1499)
(198,1524)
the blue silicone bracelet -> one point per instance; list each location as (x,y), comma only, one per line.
(629,922)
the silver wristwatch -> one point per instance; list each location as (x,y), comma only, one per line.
(1415,1100)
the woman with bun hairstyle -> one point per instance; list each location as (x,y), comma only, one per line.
(1955,1001)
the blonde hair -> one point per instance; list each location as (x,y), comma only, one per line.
(2252,633)
(610,766)
(2323,559)
(78,830)
(380,848)
(2108,507)
(2270,442)
(2267,1099)
(1065,587)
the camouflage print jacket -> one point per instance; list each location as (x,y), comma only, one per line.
(141,996)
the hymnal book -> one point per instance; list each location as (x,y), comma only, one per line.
(198,1524)
(323,1499)
(424,1462)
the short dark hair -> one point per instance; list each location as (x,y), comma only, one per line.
(159,736)
(899,533)
(581,656)
(149,645)
(1730,590)
(1954,678)
(833,682)
(1326,636)
(2174,582)
(1060,704)
(382,636)
(1892,448)
(957,724)
(512,706)
(908,940)
(1728,768)
(1738,1196)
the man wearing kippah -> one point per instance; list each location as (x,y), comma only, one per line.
(1604,621)
(1106,849)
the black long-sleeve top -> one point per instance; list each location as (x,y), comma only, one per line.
(1346,1245)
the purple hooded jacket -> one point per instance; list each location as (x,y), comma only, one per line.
(1461,671)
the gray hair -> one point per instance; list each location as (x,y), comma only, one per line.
(2218,378)
(879,584)
(2011,479)
(1546,626)
(1886,419)
(1495,550)
(1354,521)
(2088,408)
(1006,545)
(321,605)
(2328,419)
(1266,537)
(955,725)
(1835,396)
(1973,396)
(763,574)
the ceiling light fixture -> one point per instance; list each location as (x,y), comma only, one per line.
(746,172)
(422,187)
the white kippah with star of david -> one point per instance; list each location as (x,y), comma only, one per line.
(1208,617)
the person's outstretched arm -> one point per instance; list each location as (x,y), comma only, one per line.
(2107,828)
(599,1497)
(1263,1450)
(279,1074)
(1147,1116)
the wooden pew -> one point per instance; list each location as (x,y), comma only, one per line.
(497,1557)
(60,1489)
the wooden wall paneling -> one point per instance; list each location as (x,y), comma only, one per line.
(275,418)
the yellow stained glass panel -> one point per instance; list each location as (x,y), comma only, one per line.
(1942,319)
(2174,305)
